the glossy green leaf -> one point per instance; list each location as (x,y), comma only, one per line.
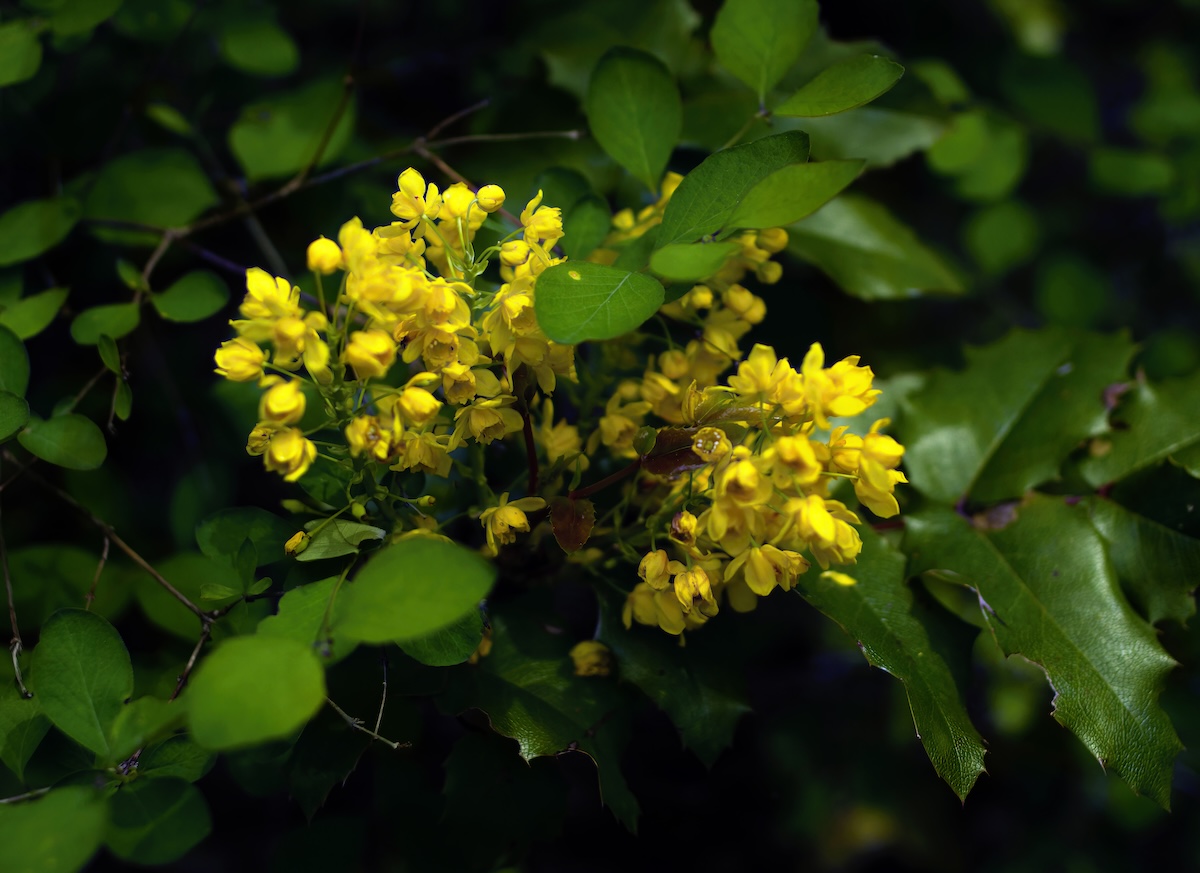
(188,572)
(879,136)
(450,645)
(193,297)
(73,17)
(1008,421)
(156,821)
(708,195)
(158,187)
(1159,419)
(759,40)
(1048,593)
(302,615)
(30,315)
(1129,173)
(14,413)
(14,363)
(253,689)
(281,135)
(1159,566)
(223,532)
(141,722)
(1002,236)
(340,536)
(634,111)
(33,227)
(411,589)
(82,675)
(868,252)
(259,47)
(71,441)
(32,833)
(682,262)
(792,193)
(20,51)
(112,319)
(844,85)
(579,301)
(22,726)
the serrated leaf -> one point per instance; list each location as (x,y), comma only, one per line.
(844,85)
(280,136)
(708,195)
(253,689)
(193,297)
(792,193)
(112,319)
(333,538)
(879,613)
(20,51)
(14,363)
(759,40)
(82,675)
(684,262)
(156,821)
(14,413)
(22,726)
(36,226)
(579,301)
(1008,421)
(450,645)
(1048,593)
(71,441)
(634,111)
(302,615)
(30,315)
(32,833)
(411,589)
(1159,420)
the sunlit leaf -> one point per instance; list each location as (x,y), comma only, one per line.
(71,441)
(140,722)
(32,833)
(759,40)
(579,301)
(792,193)
(302,615)
(193,297)
(282,134)
(112,319)
(682,262)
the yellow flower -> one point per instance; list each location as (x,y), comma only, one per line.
(324,256)
(260,438)
(414,199)
(683,529)
(694,590)
(486,420)
(269,297)
(767,566)
(711,444)
(656,569)
(797,454)
(363,434)
(591,658)
(290,454)
(296,544)
(500,522)
(240,360)
(370,353)
(418,405)
(491,198)
(282,404)
(841,390)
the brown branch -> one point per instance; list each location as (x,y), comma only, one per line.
(205,633)
(580,493)
(90,598)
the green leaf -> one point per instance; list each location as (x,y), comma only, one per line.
(1048,593)
(71,441)
(1002,236)
(964,142)
(110,355)
(14,363)
(130,276)
(999,165)
(411,589)
(194,297)
(281,135)
(169,118)
(682,262)
(324,756)
(253,689)
(301,617)
(1160,420)
(22,726)
(31,315)
(844,85)
(868,252)
(1159,566)
(36,226)
(450,645)
(634,111)
(1008,421)
(792,193)
(337,537)
(1129,173)
(259,47)
(709,194)
(158,187)
(82,675)
(222,533)
(80,16)
(123,401)
(20,51)
(188,572)
(33,833)
(14,413)
(52,575)
(140,722)
(880,136)
(698,694)
(112,319)
(942,81)
(579,301)
(176,756)
(585,224)
(897,636)
(156,821)
(759,40)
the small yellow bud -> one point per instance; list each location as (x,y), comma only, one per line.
(491,198)
(297,544)
(324,256)
(426,500)
(592,658)
(772,239)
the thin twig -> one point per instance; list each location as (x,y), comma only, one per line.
(580,493)
(530,449)
(383,697)
(91,595)
(357,724)
(457,116)
(86,389)
(205,633)
(28,795)
(15,645)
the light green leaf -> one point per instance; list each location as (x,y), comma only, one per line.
(158,187)
(169,118)
(140,722)
(708,195)
(281,135)
(82,675)
(20,51)
(683,262)
(1129,173)
(1002,236)
(156,821)
(176,756)
(579,301)
(1048,593)
(123,401)
(964,142)
(71,441)
(31,315)
(222,533)
(999,165)
(112,319)
(337,537)
(110,355)
(450,645)
(259,47)
(1008,421)
(32,833)
(36,226)
(942,80)
(22,726)
(880,136)
(194,297)
(634,111)
(844,85)
(792,193)
(253,689)
(14,414)
(411,589)
(14,363)
(188,572)
(868,252)
(301,617)
(759,40)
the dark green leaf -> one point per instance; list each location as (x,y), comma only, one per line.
(709,194)
(20,51)
(79,16)
(52,575)
(324,757)
(176,756)
(411,589)
(22,726)
(259,47)
(194,297)
(585,224)
(1048,593)
(71,441)
(253,689)
(14,413)
(302,614)
(188,572)
(759,40)
(1052,93)
(1002,236)
(281,135)
(999,165)
(35,226)
(1128,173)
(82,675)
(792,193)
(579,301)
(450,645)
(880,136)
(112,319)
(337,537)
(1008,421)
(31,315)
(33,833)
(110,355)
(140,722)
(223,532)
(844,85)
(156,821)
(123,401)
(169,118)
(158,187)
(683,262)
(634,111)
(868,252)
(14,363)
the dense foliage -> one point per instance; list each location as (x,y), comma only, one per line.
(549,344)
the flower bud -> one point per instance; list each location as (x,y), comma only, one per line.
(491,198)
(324,256)
(297,544)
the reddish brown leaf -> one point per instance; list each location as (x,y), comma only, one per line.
(572,522)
